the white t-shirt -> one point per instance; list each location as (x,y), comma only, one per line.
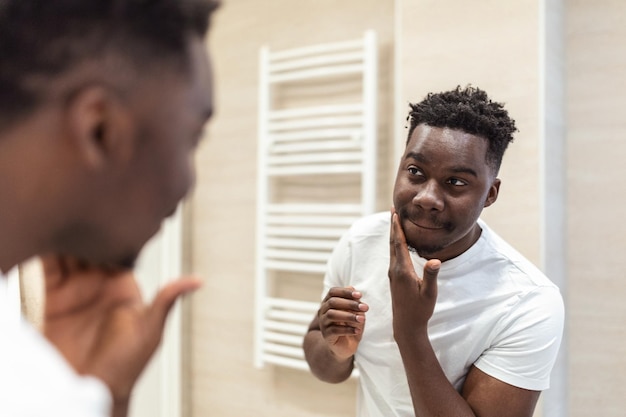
(35,380)
(494,310)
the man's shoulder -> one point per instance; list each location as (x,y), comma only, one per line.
(514,261)
(373,223)
(367,233)
(31,365)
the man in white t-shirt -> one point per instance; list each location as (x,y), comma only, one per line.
(439,314)
(102,104)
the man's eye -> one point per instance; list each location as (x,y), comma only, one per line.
(413,170)
(457,182)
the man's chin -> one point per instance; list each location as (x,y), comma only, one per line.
(128,262)
(424,251)
(121,264)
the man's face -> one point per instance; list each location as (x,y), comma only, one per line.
(442,185)
(170,114)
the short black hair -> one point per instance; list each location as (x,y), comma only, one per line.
(470,110)
(42,39)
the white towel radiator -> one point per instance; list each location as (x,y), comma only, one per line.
(310,128)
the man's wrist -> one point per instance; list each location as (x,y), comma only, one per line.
(120,407)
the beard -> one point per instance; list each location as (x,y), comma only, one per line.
(122,263)
(422,248)
(425,251)
(86,245)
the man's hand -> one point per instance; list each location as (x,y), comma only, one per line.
(100,323)
(413,299)
(341,320)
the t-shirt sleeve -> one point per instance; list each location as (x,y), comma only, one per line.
(338,266)
(527,341)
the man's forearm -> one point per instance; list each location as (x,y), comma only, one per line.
(323,363)
(431,392)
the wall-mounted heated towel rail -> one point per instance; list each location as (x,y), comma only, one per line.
(317,133)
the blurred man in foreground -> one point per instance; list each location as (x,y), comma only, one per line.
(102,104)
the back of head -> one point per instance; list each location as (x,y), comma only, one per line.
(469,110)
(44,39)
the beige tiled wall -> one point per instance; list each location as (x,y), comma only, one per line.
(596,68)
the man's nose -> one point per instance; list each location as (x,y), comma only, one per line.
(429,196)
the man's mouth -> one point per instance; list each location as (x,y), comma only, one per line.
(423,221)
(426,225)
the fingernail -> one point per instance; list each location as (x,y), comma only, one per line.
(434,266)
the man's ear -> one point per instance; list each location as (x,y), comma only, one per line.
(100,127)
(492,195)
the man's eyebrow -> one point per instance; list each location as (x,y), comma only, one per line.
(464,170)
(418,157)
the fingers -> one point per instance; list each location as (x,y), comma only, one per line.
(57,269)
(343,298)
(400,264)
(69,286)
(348,293)
(342,312)
(399,258)
(60,266)
(159,309)
(392,236)
(52,271)
(431,270)
(341,323)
